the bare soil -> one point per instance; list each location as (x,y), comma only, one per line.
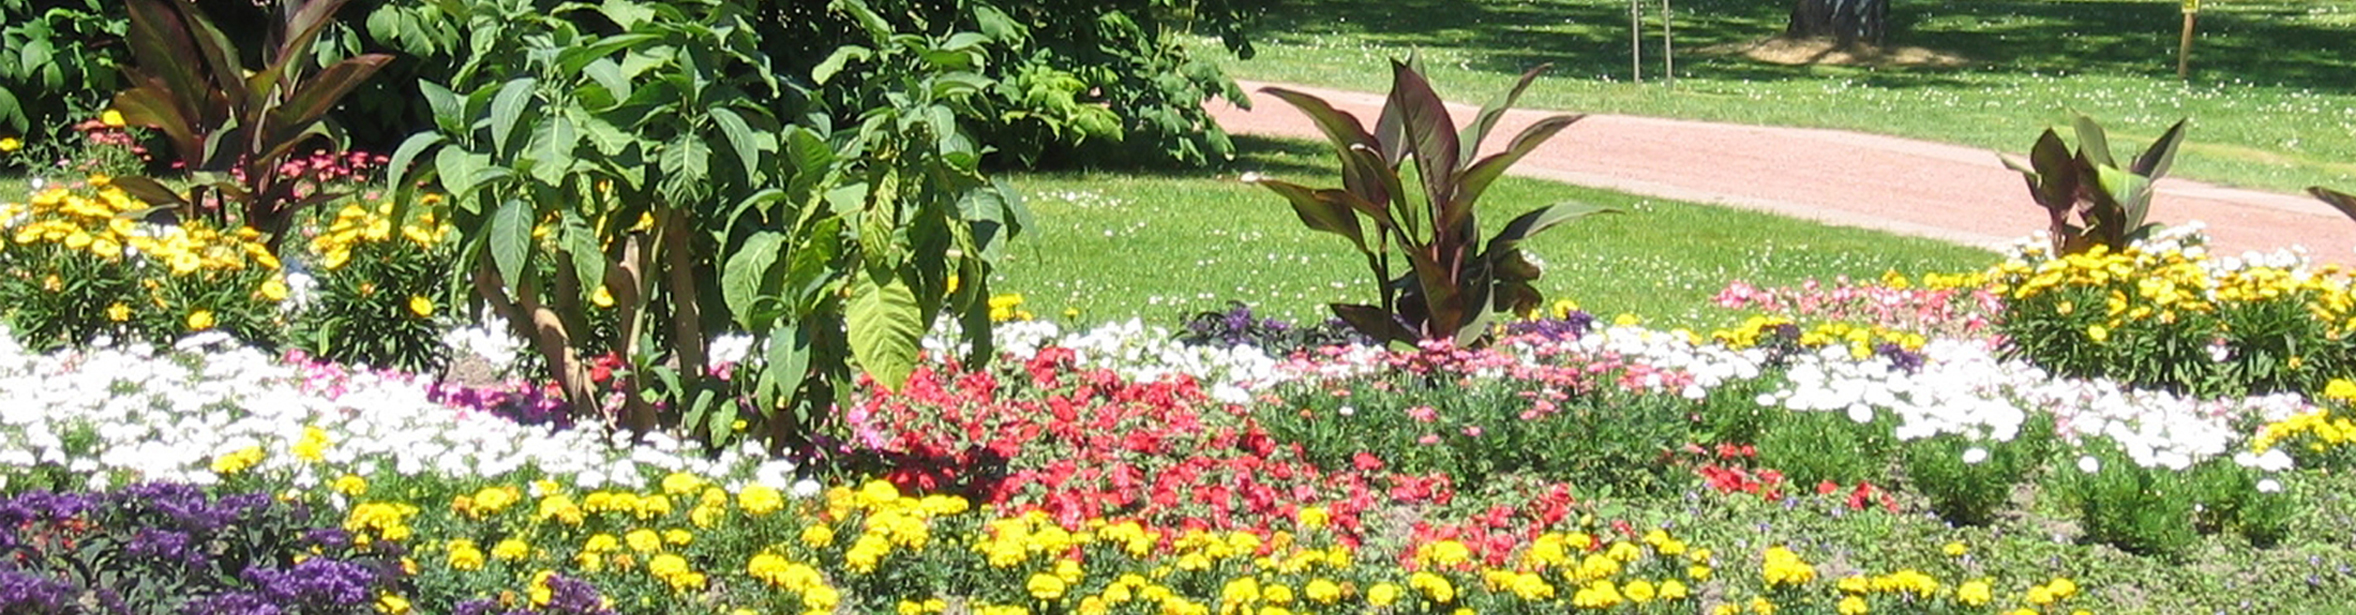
(1817,51)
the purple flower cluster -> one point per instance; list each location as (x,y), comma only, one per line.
(1569,327)
(32,594)
(317,585)
(1237,326)
(166,547)
(567,596)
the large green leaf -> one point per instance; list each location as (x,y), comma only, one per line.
(884,328)
(507,109)
(510,237)
(743,140)
(581,244)
(745,282)
(149,190)
(2092,143)
(785,358)
(459,170)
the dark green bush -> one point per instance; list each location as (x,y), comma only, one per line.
(1967,487)
(1814,447)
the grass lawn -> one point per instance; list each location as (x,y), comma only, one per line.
(1113,246)
(2272,97)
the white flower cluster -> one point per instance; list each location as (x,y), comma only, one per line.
(168,415)
(1963,388)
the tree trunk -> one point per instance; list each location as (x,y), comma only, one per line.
(1848,21)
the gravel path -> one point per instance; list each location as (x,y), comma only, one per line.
(1947,192)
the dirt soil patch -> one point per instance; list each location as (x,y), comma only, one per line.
(1818,51)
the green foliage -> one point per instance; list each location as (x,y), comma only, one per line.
(2163,511)
(377,291)
(1815,447)
(1452,282)
(2109,202)
(1486,429)
(233,125)
(645,170)
(58,61)
(1969,480)
(1059,82)
(74,270)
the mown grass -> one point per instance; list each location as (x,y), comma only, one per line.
(1113,246)
(2272,97)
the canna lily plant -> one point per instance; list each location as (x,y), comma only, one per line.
(233,125)
(1453,282)
(2109,202)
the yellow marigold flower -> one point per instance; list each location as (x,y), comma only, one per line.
(1314,517)
(200,320)
(2062,587)
(392,604)
(878,493)
(1956,549)
(1322,591)
(1762,606)
(759,500)
(463,555)
(2098,333)
(351,485)
(678,537)
(238,461)
(1382,595)
(274,289)
(1624,551)
(511,549)
(119,312)
(1975,593)
(1433,586)
(421,306)
(1673,589)
(1640,591)
(492,500)
(1853,605)
(1045,586)
(818,535)
(643,540)
(600,543)
(1598,594)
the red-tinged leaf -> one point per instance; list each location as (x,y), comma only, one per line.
(320,94)
(303,29)
(161,45)
(1477,178)
(1478,131)
(2156,159)
(1538,220)
(151,104)
(2344,202)
(223,66)
(1430,134)
(1321,210)
(1374,322)
(149,190)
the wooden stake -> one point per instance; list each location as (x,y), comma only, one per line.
(2184,48)
(1668,49)
(1636,41)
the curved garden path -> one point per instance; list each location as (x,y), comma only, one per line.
(1947,192)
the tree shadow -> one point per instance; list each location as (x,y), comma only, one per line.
(2275,43)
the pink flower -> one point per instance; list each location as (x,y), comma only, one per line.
(1423,414)
(1472,431)
(1428,439)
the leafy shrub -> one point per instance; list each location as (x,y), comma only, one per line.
(59,60)
(2163,511)
(2155,317)
(77,266)
(1453,282)
(1968,479)
(647,170)
(377,290)
(1818,447)
(2324,438)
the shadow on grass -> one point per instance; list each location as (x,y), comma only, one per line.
(2266,42)
(1280,157)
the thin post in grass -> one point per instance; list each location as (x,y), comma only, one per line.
(1668,49)
(2192,13)
(1636,41)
